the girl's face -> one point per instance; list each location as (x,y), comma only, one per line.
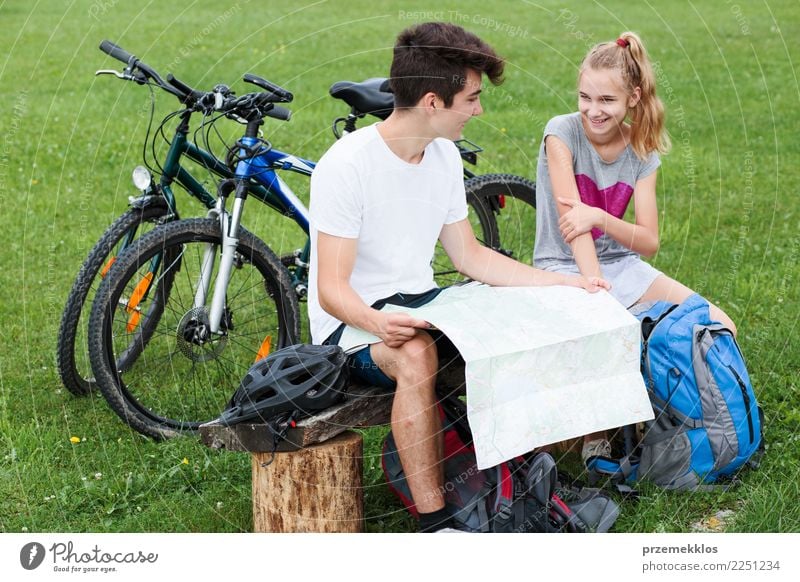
(604,103)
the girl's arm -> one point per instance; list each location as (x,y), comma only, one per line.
(565,191)
(641,237)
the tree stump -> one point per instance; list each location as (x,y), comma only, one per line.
(315,489)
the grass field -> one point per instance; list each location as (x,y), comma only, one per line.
(728,216)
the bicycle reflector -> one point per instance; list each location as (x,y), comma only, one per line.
(141,178)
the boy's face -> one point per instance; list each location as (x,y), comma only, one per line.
(450,121)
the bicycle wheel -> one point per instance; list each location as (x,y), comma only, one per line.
(484,226)
(512,202)
(182,378)
(73,360)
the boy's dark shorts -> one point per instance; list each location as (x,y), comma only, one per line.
(364,369)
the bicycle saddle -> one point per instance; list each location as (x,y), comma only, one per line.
(368,97)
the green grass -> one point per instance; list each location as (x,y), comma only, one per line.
(69,140)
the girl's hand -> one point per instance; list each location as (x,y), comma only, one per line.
(581,218)
(591,284)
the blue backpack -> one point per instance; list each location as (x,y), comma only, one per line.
(707,422)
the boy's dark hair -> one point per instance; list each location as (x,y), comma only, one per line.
(434,57)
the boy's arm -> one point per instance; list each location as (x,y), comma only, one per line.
(641,237)
(562,179)
(336,258)
(487,266)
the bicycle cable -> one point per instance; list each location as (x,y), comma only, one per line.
(149,124)
(160,131)
(208,120)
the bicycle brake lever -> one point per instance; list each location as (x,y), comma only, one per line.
(237,118)
(125,75)
(110,72)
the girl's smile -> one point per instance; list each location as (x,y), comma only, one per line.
(603,104)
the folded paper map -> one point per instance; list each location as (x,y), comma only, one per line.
(543,364)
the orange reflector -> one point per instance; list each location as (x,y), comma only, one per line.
(139,291)
(133,321)
(107,266)
(266,347)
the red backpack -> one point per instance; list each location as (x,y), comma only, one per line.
(520,495)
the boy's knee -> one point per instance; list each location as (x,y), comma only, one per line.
(417,357)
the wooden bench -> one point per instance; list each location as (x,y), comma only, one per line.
(314,481)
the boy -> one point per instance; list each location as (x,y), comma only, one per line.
(380,199)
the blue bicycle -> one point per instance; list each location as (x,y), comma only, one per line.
(185,310)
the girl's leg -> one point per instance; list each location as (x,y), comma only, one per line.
(667,289)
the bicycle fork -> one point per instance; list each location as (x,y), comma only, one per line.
(229,227)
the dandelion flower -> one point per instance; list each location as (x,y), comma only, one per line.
(74,440)
(185,461)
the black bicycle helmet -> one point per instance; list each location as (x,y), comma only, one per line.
(301,378)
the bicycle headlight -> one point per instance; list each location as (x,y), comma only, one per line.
(142,178)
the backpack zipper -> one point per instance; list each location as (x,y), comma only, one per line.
(746,398)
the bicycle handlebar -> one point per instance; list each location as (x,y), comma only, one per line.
(249,106)
(118,53)
(254,106)
(279,113)
(190,96)
(281,94)
(135,64)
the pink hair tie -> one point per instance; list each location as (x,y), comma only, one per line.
(623,43)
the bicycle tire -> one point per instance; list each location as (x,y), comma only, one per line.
(484,225)
(514,215)
(176,384)
(73,368)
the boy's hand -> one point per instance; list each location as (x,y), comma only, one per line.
(395,329)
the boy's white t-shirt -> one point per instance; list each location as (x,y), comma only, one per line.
(360,189)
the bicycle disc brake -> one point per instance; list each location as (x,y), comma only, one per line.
(195,339)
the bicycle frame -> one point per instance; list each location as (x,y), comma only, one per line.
(265,185)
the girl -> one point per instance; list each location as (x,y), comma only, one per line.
(591,163)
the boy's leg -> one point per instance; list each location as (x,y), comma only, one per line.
(415,418)
(667,289)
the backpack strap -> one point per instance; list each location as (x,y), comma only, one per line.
(519,514)
(618,472)
(568,519)
(663,407)
(618,469)
(455,413)
(478,502)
